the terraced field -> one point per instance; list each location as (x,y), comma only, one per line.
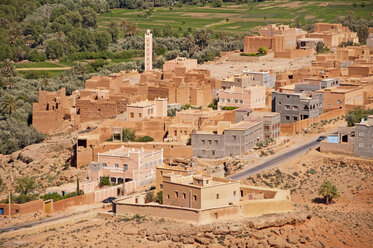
(238,18)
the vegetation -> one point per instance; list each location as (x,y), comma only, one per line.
(328,191)
(56,197)
(159,197)
(321,48)
(130,135)
(25,185)
(356,115)
(105,181)
(229,108)
(264,143)
(149,197)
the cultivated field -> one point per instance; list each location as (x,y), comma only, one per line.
(235,18)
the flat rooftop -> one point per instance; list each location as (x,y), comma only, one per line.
(244,124)
(125,151)
(262,113)
(141,104)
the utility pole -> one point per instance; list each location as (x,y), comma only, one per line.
(10,198)
(125,167)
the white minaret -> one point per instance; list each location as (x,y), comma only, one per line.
(148,51)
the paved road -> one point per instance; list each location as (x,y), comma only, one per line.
(274,161)
(12,228)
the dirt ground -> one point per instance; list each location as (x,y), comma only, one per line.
(48,162)
(222,70)
(347,222)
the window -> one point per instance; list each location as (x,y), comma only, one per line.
(210,142)
(132,115)
(234,193)
(266,128)
(140,114)
(184,196)
(104,164)
(168,196)
(194,197)
(279,103)
(287,117)
(176,194)
(116,165)
(339,101)
(241,101)
(295,118)
(216,142)
(161,186)
(213,152)
(287,107)
(217,196)
(216,216)
(295,108)
(234,137)
(161,173)
(203,141)
(287,96)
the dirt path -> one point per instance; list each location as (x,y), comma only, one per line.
(45,69)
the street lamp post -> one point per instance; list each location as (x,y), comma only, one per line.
(125,167)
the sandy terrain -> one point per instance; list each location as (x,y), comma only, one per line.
(224,69)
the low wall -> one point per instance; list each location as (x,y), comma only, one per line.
(238,58)
(260,207)
(342,148)
(25,208)
(73,201)
(201,216)
(291,54)
(103,194)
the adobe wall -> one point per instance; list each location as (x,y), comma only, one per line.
(260,207)
(341,148)
(96,110)
(73,201)
(186,214)
(25,208)
(294,53)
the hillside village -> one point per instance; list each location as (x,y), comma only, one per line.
(232,152)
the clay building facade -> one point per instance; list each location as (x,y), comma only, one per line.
(52,109)
(199,192)
(333,34)
(147,109)
(297,106)
(126,164)
(251,97)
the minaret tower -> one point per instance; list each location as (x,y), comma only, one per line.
(148,51)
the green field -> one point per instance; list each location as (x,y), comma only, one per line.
(37,65)
(235,18)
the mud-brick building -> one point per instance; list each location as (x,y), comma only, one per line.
(51,111)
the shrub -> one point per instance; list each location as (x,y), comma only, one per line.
(105,181)
(229,108)
(149,197)
(159,197)
(262,50)
(145,139)
(128,135)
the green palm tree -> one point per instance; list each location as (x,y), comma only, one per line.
(8,105)
(8,70)
(328,191)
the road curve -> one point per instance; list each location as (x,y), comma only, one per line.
(274,161)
